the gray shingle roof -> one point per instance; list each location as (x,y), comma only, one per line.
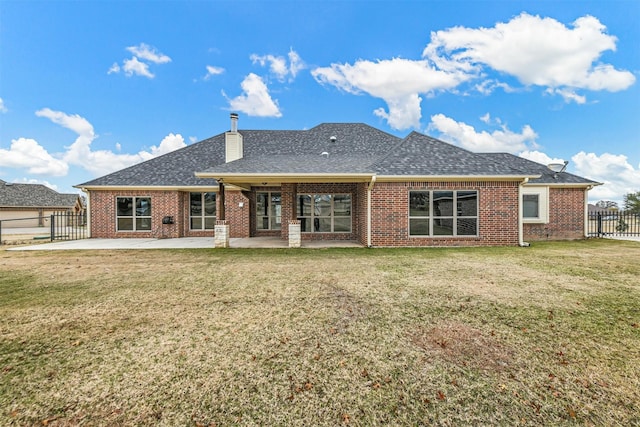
(358,148)
(547,176)
(34,195)
(423,155)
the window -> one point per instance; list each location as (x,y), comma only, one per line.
(133,213)
(530,206)
(535,205)
(443,213)
(324,213)
(202,211)
(268,211)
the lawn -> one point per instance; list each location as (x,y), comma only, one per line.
(546,335)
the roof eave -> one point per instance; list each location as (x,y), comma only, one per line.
(273,178)
(453,178)
(145,187)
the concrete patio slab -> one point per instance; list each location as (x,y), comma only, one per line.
(181,243)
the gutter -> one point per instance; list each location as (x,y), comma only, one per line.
(521,241)
(369,188)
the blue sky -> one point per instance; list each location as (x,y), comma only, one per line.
(87,88)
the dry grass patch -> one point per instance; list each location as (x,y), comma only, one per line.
(322,337)
(464,345)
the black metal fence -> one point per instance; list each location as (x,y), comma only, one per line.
(68,226)
(614,223)
(62,226)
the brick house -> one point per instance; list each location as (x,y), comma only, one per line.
(344,181)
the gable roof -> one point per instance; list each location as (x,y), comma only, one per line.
(34,196)
(358,152)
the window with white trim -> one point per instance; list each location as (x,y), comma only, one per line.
(202,211)
(535,205)
(268,211)
(324,213)
(434,213)
(133,213)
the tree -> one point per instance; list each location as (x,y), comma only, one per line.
(632,202)
(607,204)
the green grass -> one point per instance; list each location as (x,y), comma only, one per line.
(547,335)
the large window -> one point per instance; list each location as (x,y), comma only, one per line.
(202,211)
(133,213)
(324,213)
(268,211)
(443,213)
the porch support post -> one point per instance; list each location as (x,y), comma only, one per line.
(221,231)
(221,196)
(295,238)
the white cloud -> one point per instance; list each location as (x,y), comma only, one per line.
(168,144)
(399,82)
(134,66)
(213,71)
(26,153)
(296,64)
(568,95)
(3,108)
(537,51)
(255,101)
(278,65)
(614,170)
(539,157)
(193,139)
(501,140)
(100,162)
(115,68)
(487,87)
(138,65)
(149,53)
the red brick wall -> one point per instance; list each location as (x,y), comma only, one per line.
(566,217)
(497,221)
(164,203)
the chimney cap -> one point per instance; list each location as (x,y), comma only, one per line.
(234,122)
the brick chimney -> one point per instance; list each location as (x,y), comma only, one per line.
(233,141)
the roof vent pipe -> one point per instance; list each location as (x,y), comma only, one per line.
(234,122)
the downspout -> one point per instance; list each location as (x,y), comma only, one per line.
(586,211)
(369,188)
(88,214)
(521,241)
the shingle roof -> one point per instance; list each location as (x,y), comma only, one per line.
(423,155)
(547,176)
(34,195)
(358,148)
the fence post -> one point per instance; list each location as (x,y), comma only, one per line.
(0,232)
(53,228)
(599,218)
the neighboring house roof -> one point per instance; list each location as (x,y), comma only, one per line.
(358,149)
(34,196)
